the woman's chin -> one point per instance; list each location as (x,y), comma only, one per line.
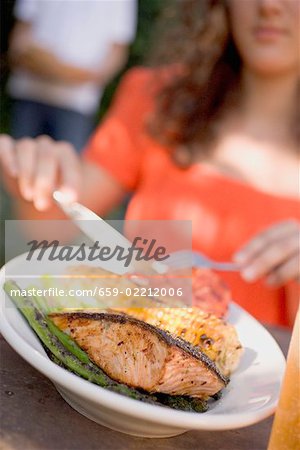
(271,68)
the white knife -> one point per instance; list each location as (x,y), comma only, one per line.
(97,229)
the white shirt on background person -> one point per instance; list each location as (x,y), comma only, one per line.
(79,33)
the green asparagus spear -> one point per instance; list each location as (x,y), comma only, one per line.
(183,403)
(88,370)
(40,304)
(68,354)
(68,342)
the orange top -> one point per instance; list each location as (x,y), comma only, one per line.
(225,212)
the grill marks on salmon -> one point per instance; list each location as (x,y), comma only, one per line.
(211,335)
(141,355)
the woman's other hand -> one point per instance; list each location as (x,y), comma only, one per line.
(33,168)
(273,254)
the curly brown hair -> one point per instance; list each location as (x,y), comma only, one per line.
(189,108)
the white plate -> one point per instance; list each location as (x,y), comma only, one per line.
(250,397)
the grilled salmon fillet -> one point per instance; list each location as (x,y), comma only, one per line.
(213,336)
(142,356)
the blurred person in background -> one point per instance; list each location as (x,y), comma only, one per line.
(211,136)
(63,53)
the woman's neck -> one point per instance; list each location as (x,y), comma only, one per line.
(268,103)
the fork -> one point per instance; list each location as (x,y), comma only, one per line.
(188,258)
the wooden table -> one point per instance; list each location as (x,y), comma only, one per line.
(35,417)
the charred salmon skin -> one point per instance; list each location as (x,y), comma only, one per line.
(141,355)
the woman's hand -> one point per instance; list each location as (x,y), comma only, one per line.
(273,253)
(33,168)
